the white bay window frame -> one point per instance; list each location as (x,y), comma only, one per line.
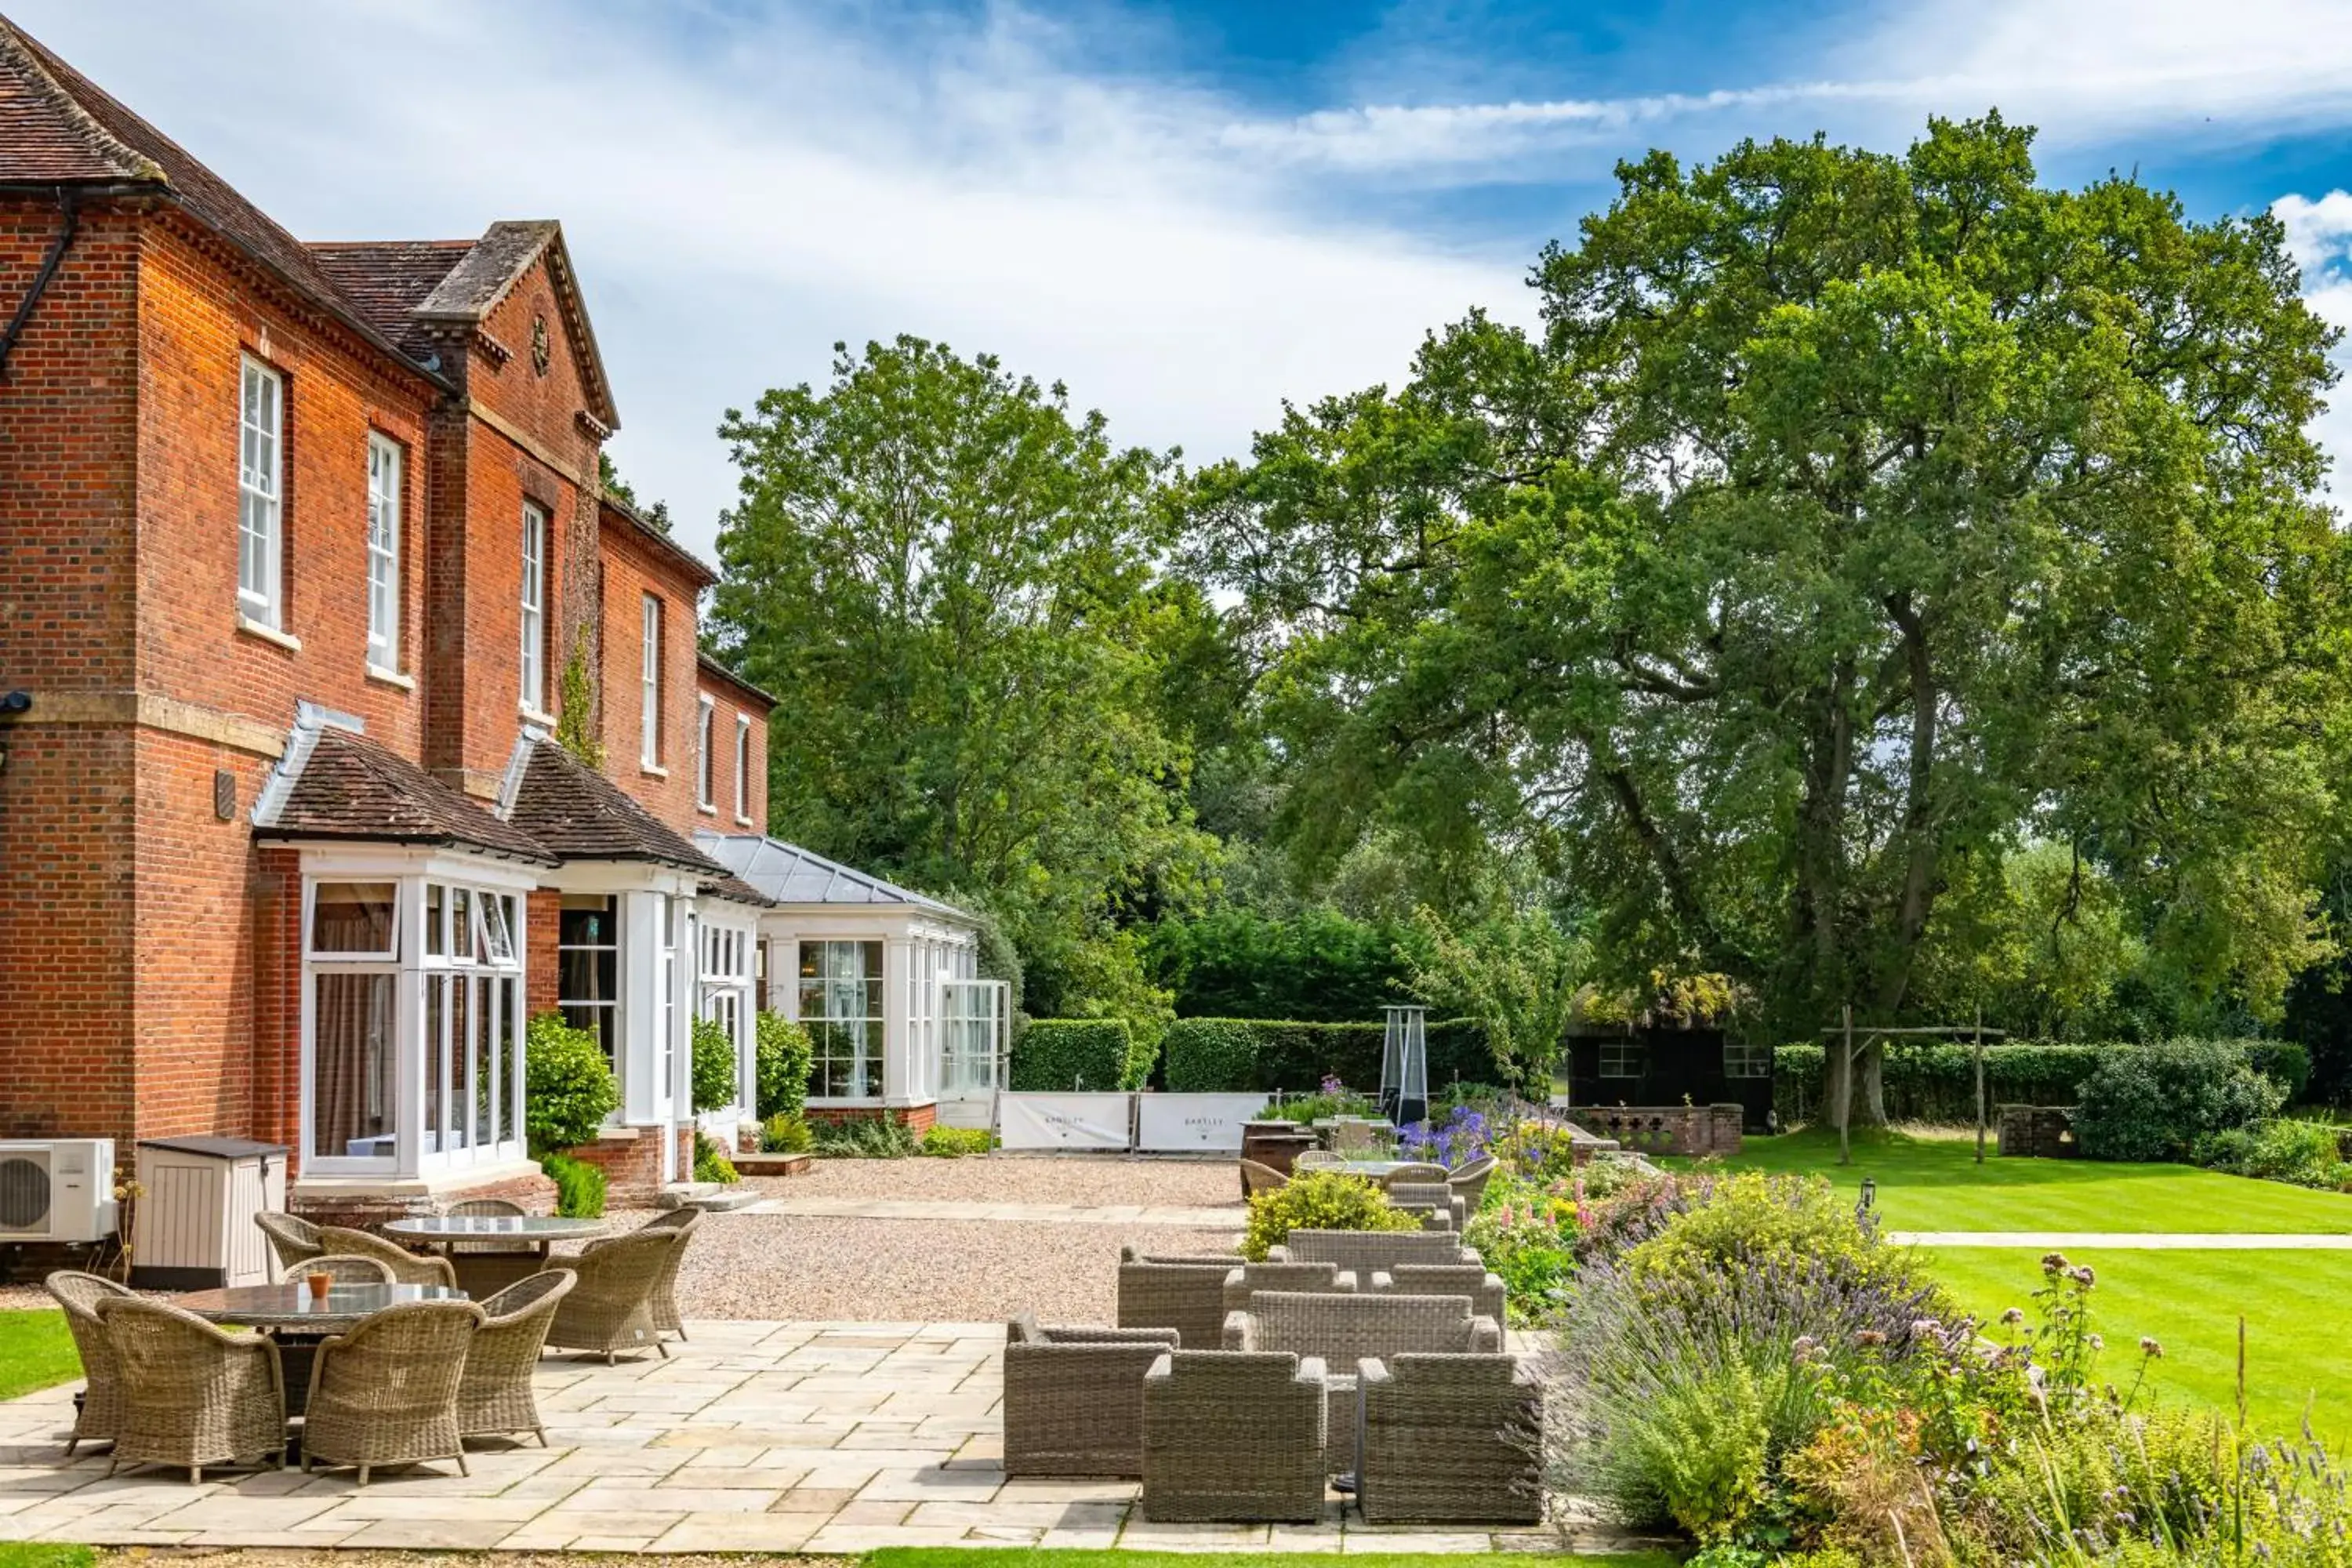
(420,1152)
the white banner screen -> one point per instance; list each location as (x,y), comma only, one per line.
(1195,1122)
(1063,1121)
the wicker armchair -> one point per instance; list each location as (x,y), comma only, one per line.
(682,1221)
(1250,1278)
(1487,1299)
(1230,1436)
(194,1395)
(1362,1252)
(343,1268)
(1450,1439)
(100,1414)
(1469,1179)
(1186,1294)
(610,1308)
(1258,1178)
(294,1240)
(1430,1200)
(386,1392)
(494,1397)
(1074,1398)
(407,1268)
(1342,1330)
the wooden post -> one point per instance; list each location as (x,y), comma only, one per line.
(1980,1094)
(1845,1091)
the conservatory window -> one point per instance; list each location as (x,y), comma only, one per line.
(841,1006)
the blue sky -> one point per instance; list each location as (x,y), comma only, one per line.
(1188,211)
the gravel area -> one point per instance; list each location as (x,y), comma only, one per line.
(1019,1179)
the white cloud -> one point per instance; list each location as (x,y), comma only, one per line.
(2320,234)
(740,192)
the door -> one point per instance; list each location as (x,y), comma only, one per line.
(972,1018)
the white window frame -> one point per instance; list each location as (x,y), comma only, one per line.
(386,469)
(1623,1061)
(743,768)
(706,715)
(534,609)
(261,499)
(1745,1061)
(649,703)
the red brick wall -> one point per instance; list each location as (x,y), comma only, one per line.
(632,1166)
(633,569)
(730,701)
(544,916)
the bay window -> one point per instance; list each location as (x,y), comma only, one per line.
(413,1040)
(840,1003)
(588,969)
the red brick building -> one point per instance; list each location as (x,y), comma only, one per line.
(303,557)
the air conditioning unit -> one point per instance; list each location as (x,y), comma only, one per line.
(57,1189)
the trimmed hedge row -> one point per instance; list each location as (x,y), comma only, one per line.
(1052,1054)
(1936,1081)
(1223,1056)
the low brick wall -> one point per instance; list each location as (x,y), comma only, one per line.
(1665,1129)
(2038,1132)
(916,1118)
(632,1166)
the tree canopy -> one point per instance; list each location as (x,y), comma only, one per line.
(1853,521)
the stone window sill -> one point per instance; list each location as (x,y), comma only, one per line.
(268,634)
(391,677)
(654,769)
(533,716)
(742,820)
(706,810)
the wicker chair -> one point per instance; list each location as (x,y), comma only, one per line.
(666,1317)
(1469,1179)
(194,1395)
(407,1268)
(293,1240)
(610,1308)
(1432,1201)
(1414,1171)
(100,1414)
(1074,1398)
(1315,1160)
(344,1268)
(386,1392)
(1342,1330)
(1235,1437)
(1450,1439)
(1183,1293)
(494,1397)
(1487,1299)
(1250,1278)
(1362,1252)
(1258,1178)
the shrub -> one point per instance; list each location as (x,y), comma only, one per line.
(1333,1098)
(865,1138)
(2153,1102)
(953,1142)
(579,1187)
(2307,1153)
(1525,1232)
(710,1161)
(782,1056)
(1317,964)
(1751,1220)
(1318,1200)
(1235,1055)
(569,1087)
(1936,1081)
(785,1134)
(1094,1053)
(714,1066)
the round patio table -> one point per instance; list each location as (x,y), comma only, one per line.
(288,1313)
(492,1251)
(1378,1170)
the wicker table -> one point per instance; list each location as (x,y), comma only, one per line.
(492,1251)
(1377,1170)
(299,1323)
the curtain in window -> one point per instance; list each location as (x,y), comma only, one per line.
(354,1085)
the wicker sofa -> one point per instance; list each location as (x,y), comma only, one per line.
(1183,1293)
(1449,1439)
(1439,1204)
(1487,1298)
(1364,1252)
(1311,1278)
(1074,1397)
(1233,1437)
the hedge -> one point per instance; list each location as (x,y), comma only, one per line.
(1219,1056)
(1052,1054)
(1936,1081)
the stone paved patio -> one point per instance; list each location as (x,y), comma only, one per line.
(766,1436)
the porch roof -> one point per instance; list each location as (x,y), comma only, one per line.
(336,783)
(788,874)
(581,814)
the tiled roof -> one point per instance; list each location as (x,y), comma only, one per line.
(472,290)
(788,874)
(337,783)
(56,126)
(581,814)
(710,666)
(387,279)
(736,888)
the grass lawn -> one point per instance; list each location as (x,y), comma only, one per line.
(1034,1557)
(35,1351)
(2189,1302)
(1932,1181)
(37,1554)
